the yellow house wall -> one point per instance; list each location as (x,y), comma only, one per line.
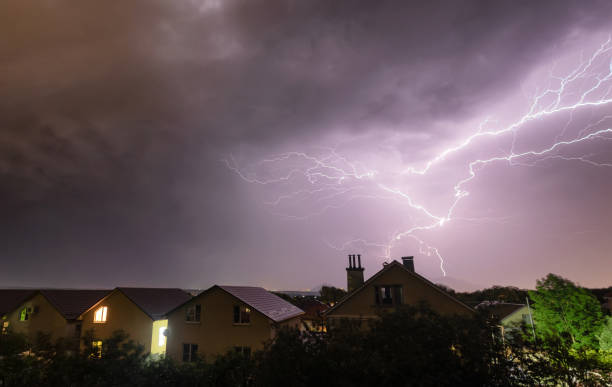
(47,320)
(216,332)
(362,304)
(122,314)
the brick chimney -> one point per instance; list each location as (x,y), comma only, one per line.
(354,273)
(408,263)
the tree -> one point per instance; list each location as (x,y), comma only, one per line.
(605,337)
(330,294)
(566,311)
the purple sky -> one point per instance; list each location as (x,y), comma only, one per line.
(187,143)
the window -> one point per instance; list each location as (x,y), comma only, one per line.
(161,341)
(243,350)
(100,315)
(96,349)
(388,295)
(242,315)
(5,325)
(78,328)
(193,313)
(526,319)
(190,352)
(24,315)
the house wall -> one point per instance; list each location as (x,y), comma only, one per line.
(122,314)
(216,332)
(517,317)
(46,319)
(363,303)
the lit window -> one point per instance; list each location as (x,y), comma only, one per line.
(193,313)
(96,349)
(5,325)
(161,341)
(242,315)
(190,352)
(100,315)
(24,315)
(388,295)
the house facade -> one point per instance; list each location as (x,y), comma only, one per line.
(225,318)
(54,312)
(139,312)
(396,284)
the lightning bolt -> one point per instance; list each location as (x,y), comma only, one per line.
(328,180)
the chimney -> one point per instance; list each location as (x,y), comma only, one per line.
(408,263)
(354,273)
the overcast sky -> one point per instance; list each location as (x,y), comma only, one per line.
(197,142)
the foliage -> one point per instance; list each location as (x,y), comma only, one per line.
(409,346)
(605,337)
(509,294)
(567,312)
(330,294)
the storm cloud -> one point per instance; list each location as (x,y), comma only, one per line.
(117,118)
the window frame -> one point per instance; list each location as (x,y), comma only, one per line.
(192,352)
(96,349)
(388,295)
(193,314)
(242,315)
(103,316)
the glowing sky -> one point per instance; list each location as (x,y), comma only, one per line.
(186,143)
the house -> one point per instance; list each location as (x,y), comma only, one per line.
(509,315)
(394,285)
(51,311)
(139,312)
(313,318)
(223,318)
(10,299)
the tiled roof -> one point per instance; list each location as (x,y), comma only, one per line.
(312,308)
(156,302)
(12,298)
(500,310)
(271,305)
(72,302)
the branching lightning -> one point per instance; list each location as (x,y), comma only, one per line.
(326,180)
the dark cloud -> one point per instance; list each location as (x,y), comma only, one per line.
(116,115)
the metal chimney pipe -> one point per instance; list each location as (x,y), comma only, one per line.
(359,258)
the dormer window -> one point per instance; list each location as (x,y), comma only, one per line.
(242,315)
(100,314)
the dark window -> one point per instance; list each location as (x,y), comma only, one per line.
(242,315)
(243,350)
(190,352)
(388,295)
(193,313)
(77,329)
